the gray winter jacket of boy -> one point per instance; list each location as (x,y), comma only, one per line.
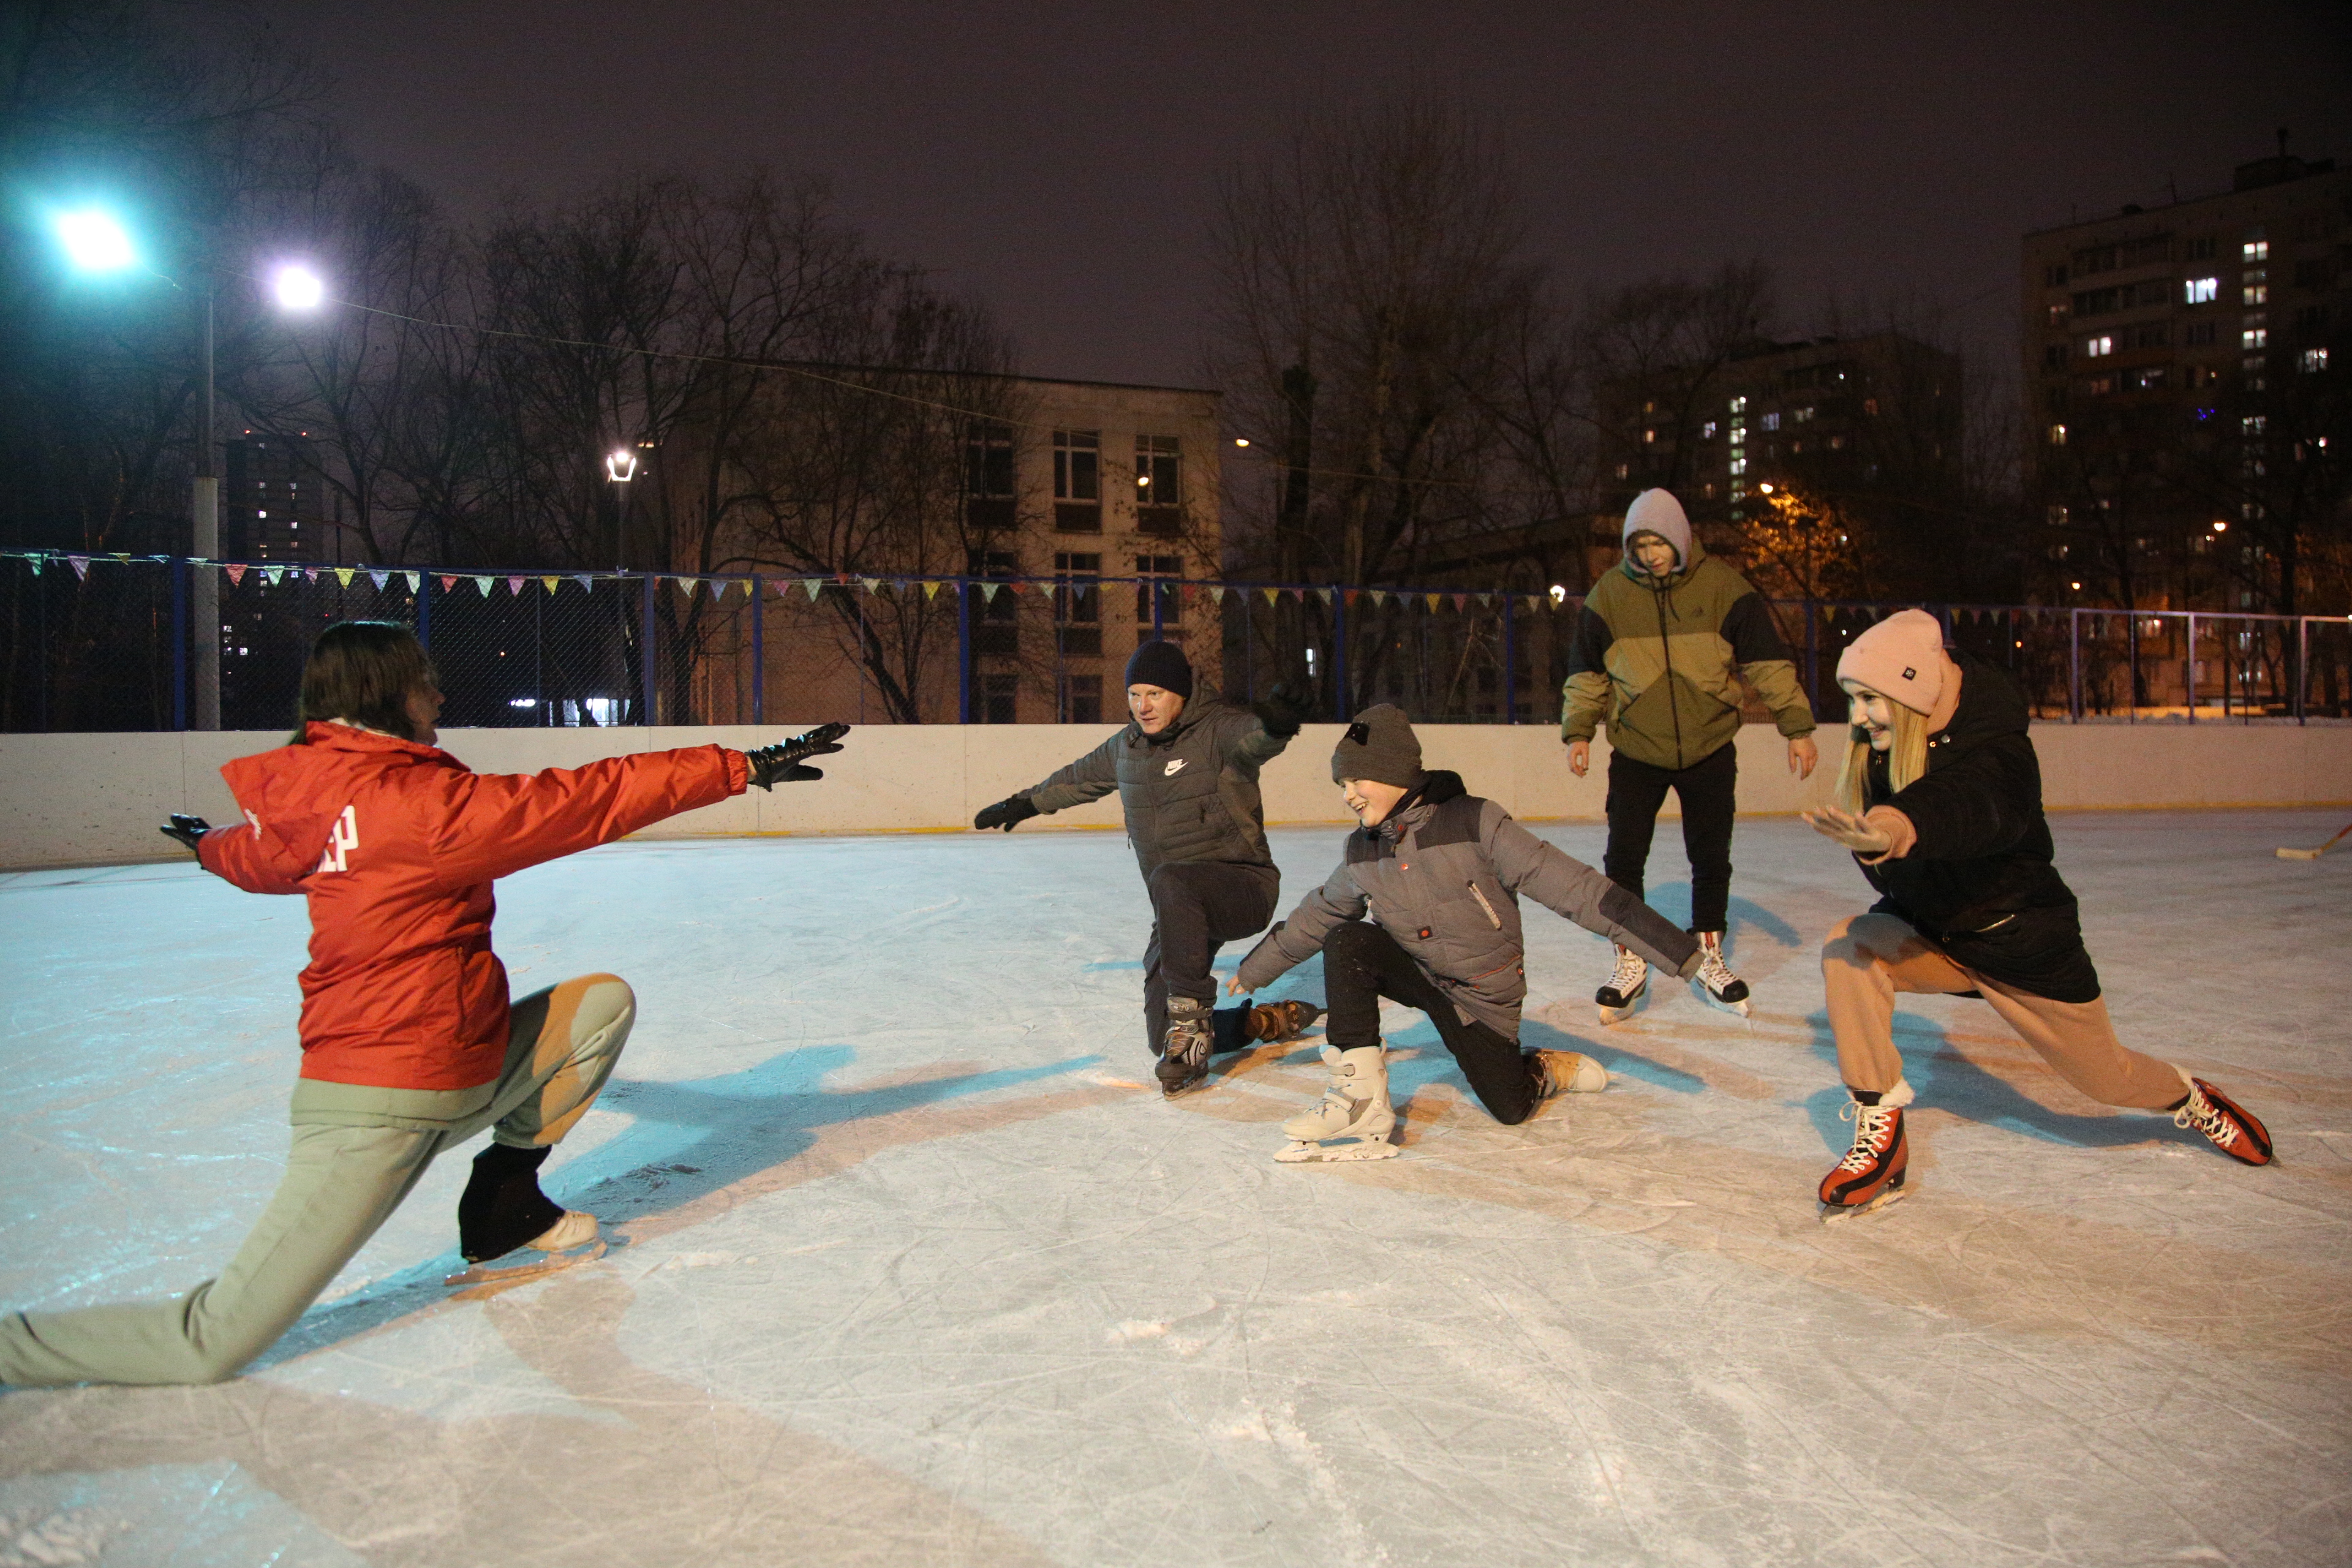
(1443,876)
(1190,791)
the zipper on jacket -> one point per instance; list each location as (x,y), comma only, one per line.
(1666,652)
(1493,919)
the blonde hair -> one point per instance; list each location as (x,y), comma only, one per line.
(1907,758)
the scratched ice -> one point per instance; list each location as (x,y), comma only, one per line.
(918,1270)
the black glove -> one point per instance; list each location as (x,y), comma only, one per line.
(780,763)
(1007,814)
(1285,709)
(186,829)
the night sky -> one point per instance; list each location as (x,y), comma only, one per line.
(1059,161)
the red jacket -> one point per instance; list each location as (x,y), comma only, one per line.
(395,845)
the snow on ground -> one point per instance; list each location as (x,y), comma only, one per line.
(919,1270)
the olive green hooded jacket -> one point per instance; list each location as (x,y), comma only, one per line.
(1659,661)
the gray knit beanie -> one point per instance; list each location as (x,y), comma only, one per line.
(1379,745)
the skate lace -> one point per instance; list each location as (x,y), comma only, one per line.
(1631,968)
(1715,972)
(2206,1117)
(1870,1134)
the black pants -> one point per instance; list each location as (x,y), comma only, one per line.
(1362,964)
(1197,906)
(1636,790)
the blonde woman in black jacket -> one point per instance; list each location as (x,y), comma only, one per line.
(1940,802)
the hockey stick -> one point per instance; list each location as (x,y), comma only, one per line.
(2315,854)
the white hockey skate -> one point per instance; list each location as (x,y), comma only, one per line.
(1722,988)
(1352,1120)
(1628,984)
(570,1240)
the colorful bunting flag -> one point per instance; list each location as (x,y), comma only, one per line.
(1379,597)
(482,586)
(587,584)
(685,586)
(378,578)
(988,591)
(549,583)
(273,576)
(344,575)
(871,584)
(1462,602)
(80,563)
(416,581)
(1273,596)
(1431,599)
(815,585)
(448,584)
(930,588)
(1322,593)
(1216,593)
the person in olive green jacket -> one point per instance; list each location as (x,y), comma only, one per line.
(1665,640)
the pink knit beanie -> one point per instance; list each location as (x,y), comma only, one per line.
(1901,657)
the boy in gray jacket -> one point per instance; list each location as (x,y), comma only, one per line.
(1440,871)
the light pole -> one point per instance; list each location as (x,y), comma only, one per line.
(95,241)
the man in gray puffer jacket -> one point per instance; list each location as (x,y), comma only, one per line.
(1440,871)
(1187,776)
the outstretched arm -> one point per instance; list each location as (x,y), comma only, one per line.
(497,824)
(1574,891)
(1293,940)
(1091,777)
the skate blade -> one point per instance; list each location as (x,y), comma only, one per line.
(1836,1214)
(514,1273)
(1619,1015)
(2299,854)
(1739,1006)
(1299,1151)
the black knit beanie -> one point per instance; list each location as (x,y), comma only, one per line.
(1379,745)
(1162,664)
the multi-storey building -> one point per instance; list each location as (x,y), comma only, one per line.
(1092,504)
(2168,354)
(272,505)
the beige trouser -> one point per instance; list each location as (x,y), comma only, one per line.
(343,1180)
(1868,958)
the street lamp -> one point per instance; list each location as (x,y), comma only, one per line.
(620,466)
(94,240)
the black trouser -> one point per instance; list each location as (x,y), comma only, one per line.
(1362,964)
(1197,906)
(1636,790)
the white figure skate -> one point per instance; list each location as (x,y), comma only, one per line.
(1352,1120)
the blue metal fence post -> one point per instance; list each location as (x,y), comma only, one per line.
(179,642)
(2188,666)
(759,655)
(963,650)
(1339,649)
(651,682)
(1510,667)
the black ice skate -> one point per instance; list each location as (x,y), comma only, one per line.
(1184,1054)
(1724,988)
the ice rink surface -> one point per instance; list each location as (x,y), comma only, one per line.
(918,1270)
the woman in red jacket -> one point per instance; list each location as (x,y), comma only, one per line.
(409,1044)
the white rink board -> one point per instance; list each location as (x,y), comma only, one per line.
(919,1272)
(79,800)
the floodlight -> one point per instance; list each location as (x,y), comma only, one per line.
(620,466)
(297,287)
(94,241)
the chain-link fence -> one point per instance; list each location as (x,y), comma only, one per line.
(108,643)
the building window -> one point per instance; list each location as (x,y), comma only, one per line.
(1739,406)
(2254,338)
(2257,250)
(2099,386)
(2094,348)
(2253,424)
(1772,421)
(2255,378)
(2201,290)
(2197,332)
(988,459)
(2256,291)
(1837,443)
(2152,335)
(2058,314)
(2313,360)
(1706,431)
(1622,469)
(2055,277)
(1159,485)
(1077,482)
(1869,409)
(1159,574)
(1649,437)
(999,697)
(2053,357)
(1738,465)
(1077,604)
(1082,700)
(2057,435)
(1801,415)
(2201,250)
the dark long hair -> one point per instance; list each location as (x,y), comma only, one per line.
(362,672)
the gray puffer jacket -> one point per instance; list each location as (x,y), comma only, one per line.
(1190,791)
(1443,876)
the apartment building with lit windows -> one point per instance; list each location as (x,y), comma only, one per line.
(2169,353)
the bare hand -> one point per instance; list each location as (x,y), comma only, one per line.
(1802,755)
(1848,829)
(1233,983)
(1580,757)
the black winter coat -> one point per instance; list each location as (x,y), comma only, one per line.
(1190,791)
(1980,882)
